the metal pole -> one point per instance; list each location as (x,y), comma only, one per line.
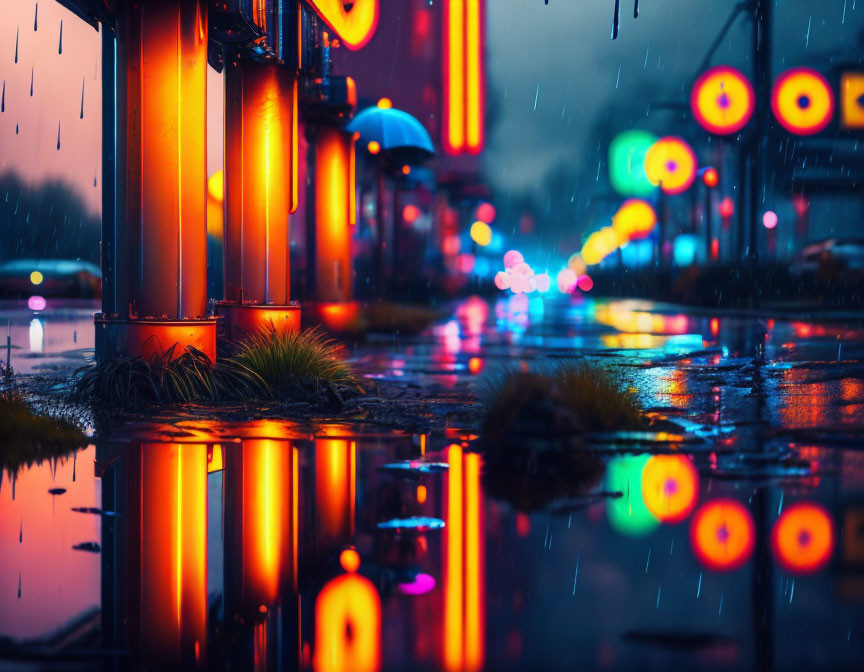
(758,147)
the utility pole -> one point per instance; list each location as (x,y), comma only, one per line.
(759,143)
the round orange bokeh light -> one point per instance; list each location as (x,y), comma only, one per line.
(670,487)
(722,535)
(349,558)
(803,538)
(722,100)
(671,164)
(802,101)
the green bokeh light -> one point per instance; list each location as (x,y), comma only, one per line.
(628,514)
(627,163)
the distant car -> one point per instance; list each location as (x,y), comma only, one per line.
(23,278)
(831,254)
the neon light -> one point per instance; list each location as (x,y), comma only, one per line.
(670,487)
(722,100)
(803,538)
(354,22)
(464,97)
(635,219)
(453,571)
(671,164)
(36,278)
(627,163)
(722,535)
(473,75)
(628,514)
(852,99)
(348,626)
(802,101)
(481,233)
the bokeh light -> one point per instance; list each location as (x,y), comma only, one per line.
(722,100)
(36,303)
(600,245)
(769,219)
(481,233)
(36,278)
(803,538)
(350,560)
(722,535)
(802,101)
(513,257)
(373,147)
(710,177)
(628,513)
(585,283)
(410,213)
(670,487)
(566,280)
(486,212)
(544,282)
(385,104)
(634,220)
(627,163)
(671,164)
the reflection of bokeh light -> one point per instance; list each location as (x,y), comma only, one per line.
(722,535)
(802,101)
(635,219)
(628,514)
(465,262)
(627,163)
(585,283)
(722,100)
(481,233)
(544,282)
(769,219)
(803,538)
(512,258)
(711,178)
(422,584)
(36,335)
(451,245)
(671,164)
(36,278)
(36,303)
(486,212)
(350,560)
(670,486)
(566,281)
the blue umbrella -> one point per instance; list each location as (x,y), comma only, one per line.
(397,132)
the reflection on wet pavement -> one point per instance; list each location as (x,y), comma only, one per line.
(732,539)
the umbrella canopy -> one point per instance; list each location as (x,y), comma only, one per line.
(397,133)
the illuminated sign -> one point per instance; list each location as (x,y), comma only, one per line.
(802,101)
(353,22)
(852,99)
(671,164)
(627,163)
(464,99)
(722,100)
(723,535)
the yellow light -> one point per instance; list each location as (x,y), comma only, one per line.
(670,486)
(671,164)
(722,535)
(722,100)
(473,73)
(455,80)
(852,90)
(215,186)
(36,278)
(634,219)
(373,147)
(600,245)
(385,104)
(453,573)
(348,626)
(421,494)
(481,233)
(353,22)
(350,560)
(802,101)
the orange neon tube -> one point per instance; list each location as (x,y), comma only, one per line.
(473,83)
(454,105)
(474,571)
(348,604)
(453,576)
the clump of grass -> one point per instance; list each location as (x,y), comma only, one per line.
(27,437)
(532,434)
(292,359)
(267,365)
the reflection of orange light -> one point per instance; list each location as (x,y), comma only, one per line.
(173,550)
(214,458)
(215,187)
(803,538)
(722,534)
(802,101)
(715,326)
(722,100)
(464,599)
(463,77)
(348,626)
(353,22)
(727,207)
(711,178)
(670,486)
(334,489)
(406,169)
(350,560)
(475,365)
(671,163)
(373,147)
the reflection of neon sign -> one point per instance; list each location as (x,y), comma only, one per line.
(803,538)
(348,626)
(354,22)
(628,514)
(464,99)
(722,535)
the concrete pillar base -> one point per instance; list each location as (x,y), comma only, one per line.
(242,319)
(147,338)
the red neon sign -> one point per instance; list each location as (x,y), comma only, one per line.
(464,85)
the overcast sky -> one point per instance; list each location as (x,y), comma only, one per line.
(552,70)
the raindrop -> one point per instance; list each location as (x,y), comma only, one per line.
(36,18)
(21,532)
(56,491)
(19,584)
(635,9)
(82,98)
(660,587)
(58,135)
(16,129)
(699,587)
(31,81)
(16,43)
(88,546)
(576,574)
(60,46)
(94,178)
(616,19)
(3,98)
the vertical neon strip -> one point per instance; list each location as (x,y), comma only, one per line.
(295,152)
(352,484)
(474,571)
(352,180)
(454,104)
(473,77)
(295,496)
(453,586)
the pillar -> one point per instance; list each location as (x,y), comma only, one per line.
(261,141)
(156,293)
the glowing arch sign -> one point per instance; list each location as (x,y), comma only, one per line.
(353,22)
(802,101)
(722,100)
(671,164)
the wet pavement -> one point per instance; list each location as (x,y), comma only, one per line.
(733,539)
